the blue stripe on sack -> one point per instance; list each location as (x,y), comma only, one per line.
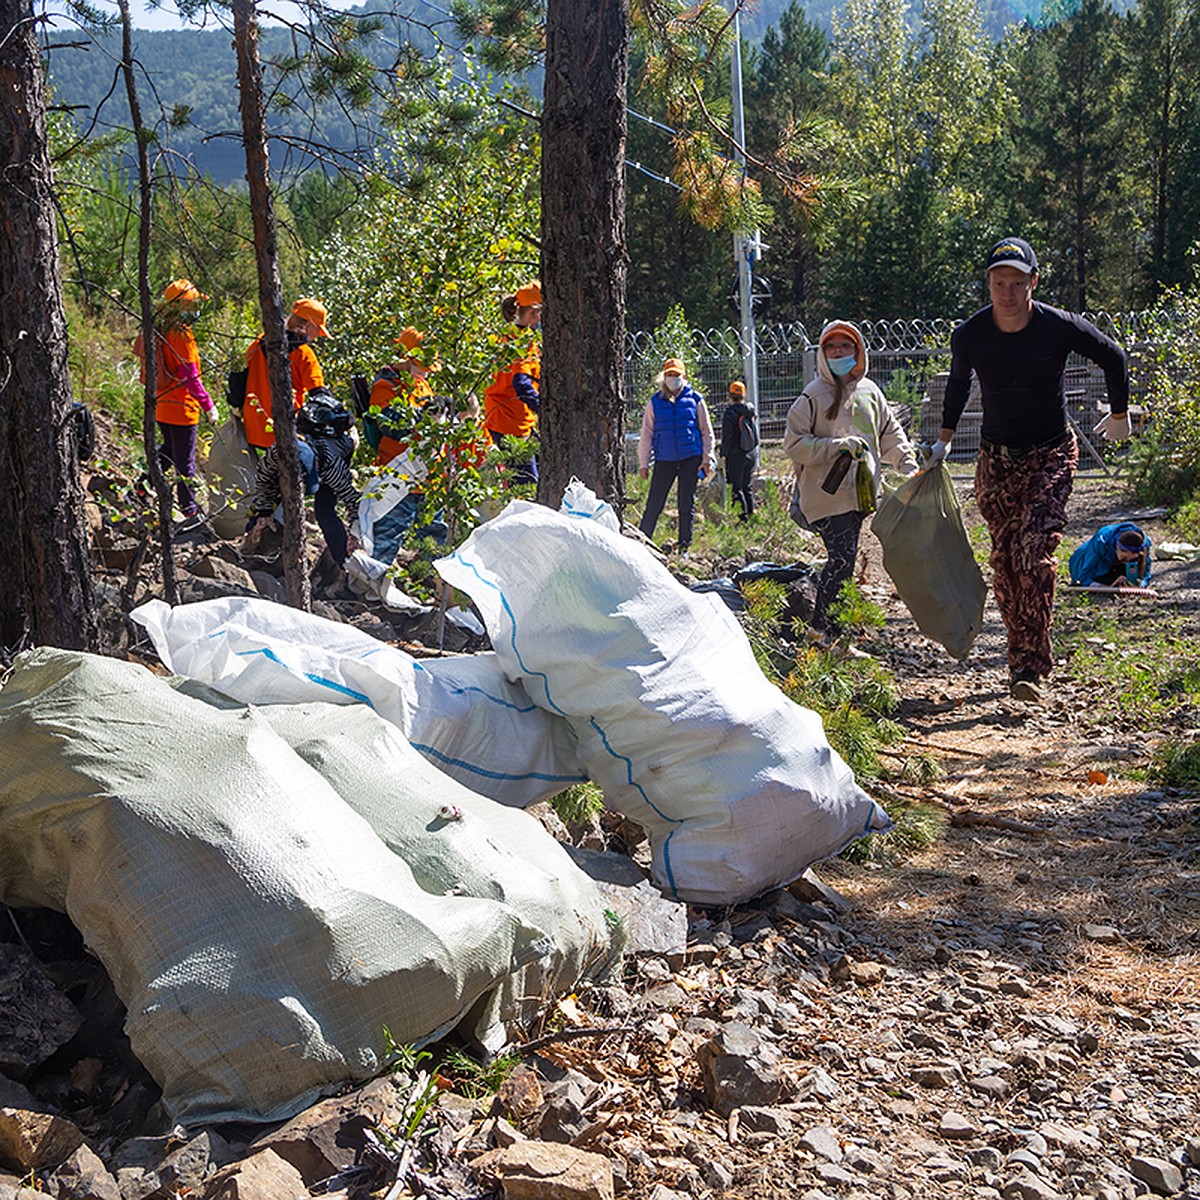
(494,699)
(466,766)
(340,688)
(650,803)
(512,637)
(584,513)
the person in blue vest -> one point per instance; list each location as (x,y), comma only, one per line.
(1115,555)
(677,433)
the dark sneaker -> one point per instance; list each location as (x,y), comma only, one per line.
(1025,685)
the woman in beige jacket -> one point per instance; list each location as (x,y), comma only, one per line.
(840,412)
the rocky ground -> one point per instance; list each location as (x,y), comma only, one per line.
(1012,1012)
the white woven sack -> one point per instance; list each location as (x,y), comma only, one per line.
(460,712)
(230,470)
(737,785)
(383,492)
(259,931)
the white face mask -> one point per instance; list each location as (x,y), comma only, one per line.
(672,383)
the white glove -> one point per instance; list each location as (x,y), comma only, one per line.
(1113,427)
(937,453)
(854,446)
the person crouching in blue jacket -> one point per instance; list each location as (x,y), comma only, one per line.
(1115,555)
(677,428)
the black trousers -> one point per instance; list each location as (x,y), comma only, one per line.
(687,470)
(738,471)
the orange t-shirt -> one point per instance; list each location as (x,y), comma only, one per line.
(173,347)
(503,411)
(256,415)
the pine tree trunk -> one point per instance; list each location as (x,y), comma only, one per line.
(154,468)
(45,577)
(270,292)
(584,261)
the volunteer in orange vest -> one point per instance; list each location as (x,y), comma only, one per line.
(304,325)
(512,402)
(181,396)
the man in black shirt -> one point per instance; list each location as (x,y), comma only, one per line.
(1018,349)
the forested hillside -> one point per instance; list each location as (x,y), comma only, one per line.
(922,132)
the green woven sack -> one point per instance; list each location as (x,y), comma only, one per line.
(928,557)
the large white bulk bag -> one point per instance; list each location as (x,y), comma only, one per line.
(737,785)
(459,711)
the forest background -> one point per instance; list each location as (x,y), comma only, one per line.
(927,133)
(888,145)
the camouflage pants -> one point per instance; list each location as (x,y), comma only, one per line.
(1023,498)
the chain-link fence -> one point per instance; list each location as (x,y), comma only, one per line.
(909,360)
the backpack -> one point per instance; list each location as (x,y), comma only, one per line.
(84,429)
(322,415)
(235,388)
(747,433)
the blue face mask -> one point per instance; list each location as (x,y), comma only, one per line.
(842,366)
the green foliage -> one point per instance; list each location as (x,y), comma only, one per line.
(578,803)
(854,698)
(476,1080)
(1133,668)
(1164,462)
(916,827)
(1176,764)
(852,610)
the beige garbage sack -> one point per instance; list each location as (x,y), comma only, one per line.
(271,889)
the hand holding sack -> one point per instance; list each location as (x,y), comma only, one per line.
(1113,427)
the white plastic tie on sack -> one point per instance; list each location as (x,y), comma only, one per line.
(580,501)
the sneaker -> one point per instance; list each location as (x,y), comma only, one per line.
(1025,685)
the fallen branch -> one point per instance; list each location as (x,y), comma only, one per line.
(569,1035)
(967,818)
(1104,589)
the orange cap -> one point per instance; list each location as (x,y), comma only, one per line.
(674,365)
(314,311)
(182,289)
(737,388)
(529,295)
(410,338)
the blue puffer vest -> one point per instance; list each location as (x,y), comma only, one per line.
(676,428)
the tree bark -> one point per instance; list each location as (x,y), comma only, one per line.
(162,488)
(584,261)
(45,581)
(270,293)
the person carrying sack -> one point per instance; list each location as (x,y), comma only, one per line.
(739,447)
(838,431)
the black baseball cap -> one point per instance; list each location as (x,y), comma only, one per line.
(1013,252)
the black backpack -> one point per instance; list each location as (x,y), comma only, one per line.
(322,415)
(84,428)
(747,433)
(235,388)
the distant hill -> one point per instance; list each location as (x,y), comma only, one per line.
(195,70)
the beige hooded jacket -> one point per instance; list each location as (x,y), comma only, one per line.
(813,441)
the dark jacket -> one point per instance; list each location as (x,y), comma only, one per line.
(731,434)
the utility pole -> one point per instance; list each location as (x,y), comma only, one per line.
(745,249)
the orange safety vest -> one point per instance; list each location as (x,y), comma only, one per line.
(503,411)
(407,391)
(256,415)
(172,348)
